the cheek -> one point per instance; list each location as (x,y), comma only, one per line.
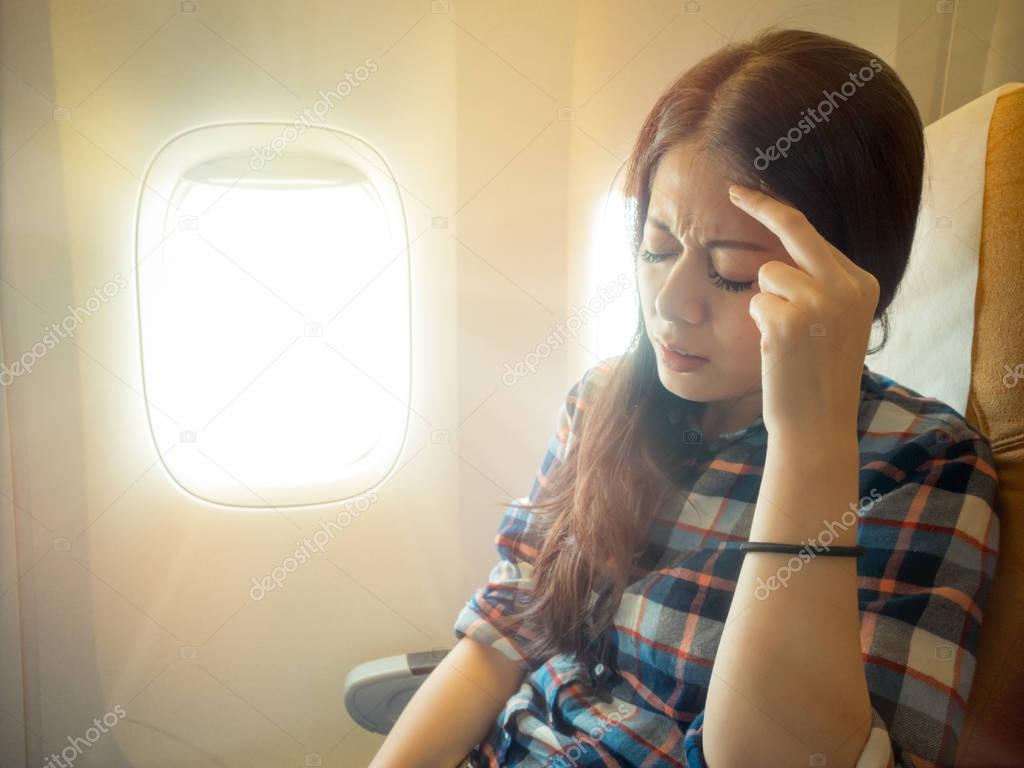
(647,288)
(742,329)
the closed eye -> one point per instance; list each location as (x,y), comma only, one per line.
(716,279)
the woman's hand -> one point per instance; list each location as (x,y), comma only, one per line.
(815,325)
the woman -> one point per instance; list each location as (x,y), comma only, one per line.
(643,633)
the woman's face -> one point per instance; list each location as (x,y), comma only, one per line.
(696,288)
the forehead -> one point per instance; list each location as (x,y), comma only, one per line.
(690,191)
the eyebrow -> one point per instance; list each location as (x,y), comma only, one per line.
(711,244)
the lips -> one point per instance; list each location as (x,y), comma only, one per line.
(679,349)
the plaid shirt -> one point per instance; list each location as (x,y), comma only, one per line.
(931,540)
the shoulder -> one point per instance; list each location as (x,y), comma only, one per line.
(893,415)
(906,438)
(597,376)
(594,382)
(580,398)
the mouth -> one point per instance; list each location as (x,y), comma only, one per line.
(679,351)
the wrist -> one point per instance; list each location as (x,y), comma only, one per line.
(808,491)
(822,447)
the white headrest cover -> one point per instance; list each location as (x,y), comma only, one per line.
(932,315)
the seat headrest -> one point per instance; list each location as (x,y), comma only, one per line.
(932,316)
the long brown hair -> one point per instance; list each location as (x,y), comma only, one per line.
(857,177)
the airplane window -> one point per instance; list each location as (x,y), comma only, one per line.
(273,315)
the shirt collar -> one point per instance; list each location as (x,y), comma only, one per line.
(754,433)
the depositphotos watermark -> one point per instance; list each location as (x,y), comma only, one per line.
(309,546)
(78,744)
(558,336)
(572,754)
(64,329)
(327,101)
(815,116)
(1013,375)
(780,579)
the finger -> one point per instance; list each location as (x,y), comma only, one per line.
(786,281)
(844,261)
(763,307)
(865,281)
(798,236)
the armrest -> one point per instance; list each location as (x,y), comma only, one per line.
(377,691)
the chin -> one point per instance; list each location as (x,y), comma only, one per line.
(688,385)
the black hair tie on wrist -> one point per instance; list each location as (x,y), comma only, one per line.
(795,549)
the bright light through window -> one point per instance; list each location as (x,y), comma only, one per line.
(275,331)
(611,331)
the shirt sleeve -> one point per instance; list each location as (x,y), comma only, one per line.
(486,616)
(932,540)
(931,537)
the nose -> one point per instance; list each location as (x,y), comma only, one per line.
(682,298)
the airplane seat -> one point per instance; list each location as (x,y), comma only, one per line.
(955,335)
(993,731)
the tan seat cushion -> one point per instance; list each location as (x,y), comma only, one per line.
(993,733)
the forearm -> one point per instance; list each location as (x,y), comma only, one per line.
(788,679)
(452,710)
